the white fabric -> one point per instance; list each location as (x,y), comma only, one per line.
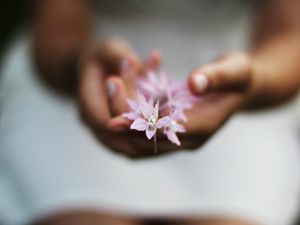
(51,162)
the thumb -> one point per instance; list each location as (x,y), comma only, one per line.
(231,73)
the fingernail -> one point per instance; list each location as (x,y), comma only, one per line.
(111,88)
(124,65)
(201,82)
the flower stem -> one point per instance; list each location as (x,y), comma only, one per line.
(155,144)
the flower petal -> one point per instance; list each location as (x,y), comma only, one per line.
(180,128)
(171,135)
(131,115)
(176,114)
(140,97)
(151,101)
(163,122)
(150,133)
(183,117)
(146,87)
(147,110)
(152,77)
(139,124)
(133,105)
(156,108)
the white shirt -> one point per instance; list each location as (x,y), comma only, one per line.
(50,161)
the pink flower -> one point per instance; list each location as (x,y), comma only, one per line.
(137,106)
(154,86)
(171,127)
(148,120)
(180,97)
(173,97)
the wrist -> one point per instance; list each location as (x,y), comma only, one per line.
(59,71)
(254,86)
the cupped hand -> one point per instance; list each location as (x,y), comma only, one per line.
(108,74)
(223,87)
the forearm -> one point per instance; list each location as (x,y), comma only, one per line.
(275,71)
(275,54)
(61,30)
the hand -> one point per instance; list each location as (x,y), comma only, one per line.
(104,87)
(223,86)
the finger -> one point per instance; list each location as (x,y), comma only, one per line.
(113,52)
(132,70)
(119,124)
(153,62)
(117,95)
(92,93)
(118,144)
(230,73)
(130,76)
(209,113)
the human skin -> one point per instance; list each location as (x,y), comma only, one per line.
(236,81)
(96,218)
(265,76)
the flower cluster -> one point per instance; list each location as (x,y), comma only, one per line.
(160,104)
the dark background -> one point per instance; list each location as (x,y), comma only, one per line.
(13,13)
